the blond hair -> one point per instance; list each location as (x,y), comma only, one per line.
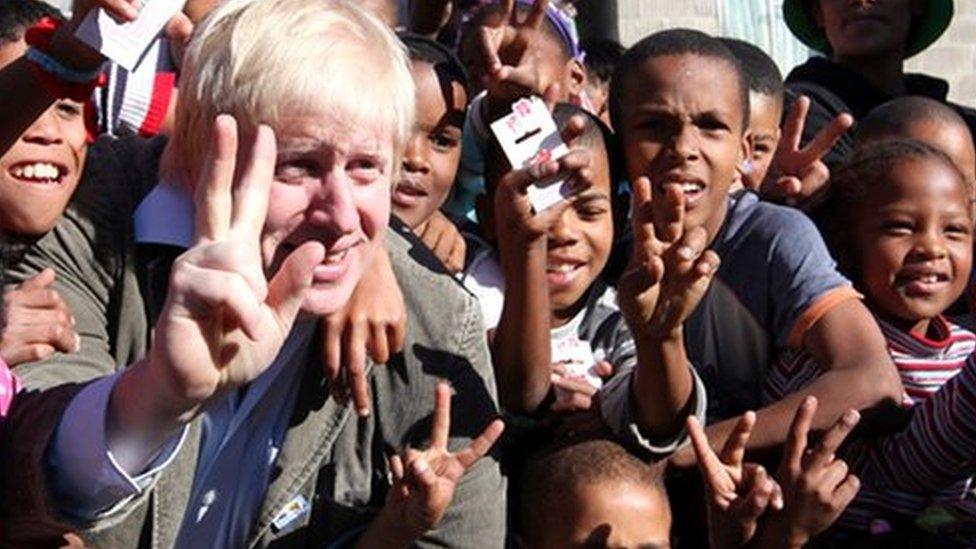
(263,60)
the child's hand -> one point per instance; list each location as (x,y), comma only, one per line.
(513,56)
(575,393)
(670,269)
(373,321)
(817,486)
(444,239)
(798,176)
(424,481)
(35,322)
(738,492)
(515,218)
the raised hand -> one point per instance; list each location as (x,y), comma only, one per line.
(444,239)
(817,486)
(738,492)
(223,321)
(373,322)
(512,54)
(424,481)
(670,270)
(35,322)
(798,175)
(575,393)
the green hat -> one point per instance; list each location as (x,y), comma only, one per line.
(925,29)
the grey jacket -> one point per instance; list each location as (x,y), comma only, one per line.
(329,456)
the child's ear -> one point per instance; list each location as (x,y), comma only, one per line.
(574,77)
(745,147)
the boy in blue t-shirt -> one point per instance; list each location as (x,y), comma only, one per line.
(680,105)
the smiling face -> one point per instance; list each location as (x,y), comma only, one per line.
(865,29)
(40,171)
(913,236)
(431,160)
(682,124)
(332,184)
(579,243)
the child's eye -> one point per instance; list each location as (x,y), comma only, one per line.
(897,227)
(68,110)
(960,229)
(442,142)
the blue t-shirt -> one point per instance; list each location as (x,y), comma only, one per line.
(775,281)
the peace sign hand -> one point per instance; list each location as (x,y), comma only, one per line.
(738,493)
(223,322)
(424,481)
(817,486)
(513,55)
(670,270)
(798,175)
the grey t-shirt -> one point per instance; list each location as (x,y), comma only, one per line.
(775,281)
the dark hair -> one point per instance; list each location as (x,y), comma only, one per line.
(761,72)
(16,16)
(894,118)
(421,48)
(602,56)
(864,171)
(674,42)
(554,474)
(469,29)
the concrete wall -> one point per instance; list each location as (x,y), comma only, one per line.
(952,57)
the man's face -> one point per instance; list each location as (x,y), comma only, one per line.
(40,171)
(682,125)
(765,112)
(332,184)
(866,28)
(579,243)
(618,515)
(431,160)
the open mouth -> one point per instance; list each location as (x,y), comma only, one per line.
(407,193)
(692,189)
(38,173)
(561,273)
(922,283)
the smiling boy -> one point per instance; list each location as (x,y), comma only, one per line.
(680,104)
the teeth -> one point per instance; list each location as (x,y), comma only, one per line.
(690,187)
(41,171)
(562,268)
(336,257)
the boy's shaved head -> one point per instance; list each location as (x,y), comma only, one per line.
(567,491)
(16,16)
(761,72)
(673,42)
(923,119)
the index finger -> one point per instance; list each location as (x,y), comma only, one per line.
(212,197)
(537,14)
(825,139)
(834,437)
(795,121)
(712,469)
(796,441)
(669,217)
(441,424)
(253,188)
(480,446)
(642,215)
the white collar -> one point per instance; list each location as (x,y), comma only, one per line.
(166,216)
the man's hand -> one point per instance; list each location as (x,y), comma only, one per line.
(738,492)
(374,321)
(444,239)
(424,481)
(817,486)
(223,322)
(670,270)
(35,322)
(798,176)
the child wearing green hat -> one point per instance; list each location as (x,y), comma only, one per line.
(866,43)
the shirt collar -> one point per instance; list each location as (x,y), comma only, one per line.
(166,216)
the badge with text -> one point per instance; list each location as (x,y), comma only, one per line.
(576,356)
(528,135)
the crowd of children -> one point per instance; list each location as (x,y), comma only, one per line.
(236,277)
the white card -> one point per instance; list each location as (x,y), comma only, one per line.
(528,135)
(576,356)
(126,43)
